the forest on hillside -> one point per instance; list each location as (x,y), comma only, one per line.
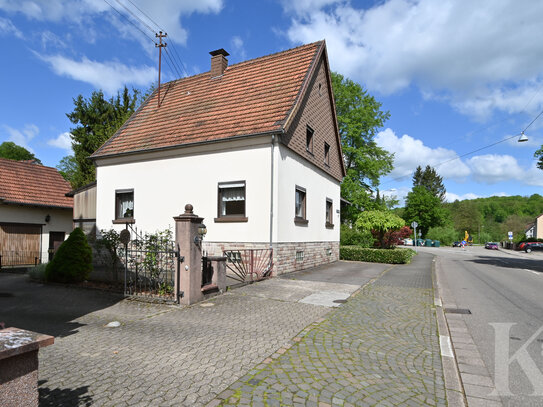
(487,219)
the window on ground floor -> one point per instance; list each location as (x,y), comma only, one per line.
(300,205)
(124,204)
(329,213)
(231,201)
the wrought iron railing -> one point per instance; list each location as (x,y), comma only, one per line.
(151,266)
(19,258)
(249,264)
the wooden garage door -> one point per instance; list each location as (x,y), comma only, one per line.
(19,243)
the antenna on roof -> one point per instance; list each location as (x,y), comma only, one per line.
(160,45)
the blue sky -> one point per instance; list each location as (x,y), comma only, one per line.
(456,75)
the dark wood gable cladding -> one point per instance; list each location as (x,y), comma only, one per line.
(316,112)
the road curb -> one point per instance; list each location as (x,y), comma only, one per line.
(470,371)
(454,389)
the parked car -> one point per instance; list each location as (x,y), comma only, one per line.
(521,246)
(408,242)
(491,245)
(529,246)
(456,244)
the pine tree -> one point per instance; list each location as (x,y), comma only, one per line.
(97,119)
(430,179)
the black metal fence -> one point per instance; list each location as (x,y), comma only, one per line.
(19,258)
(151,264)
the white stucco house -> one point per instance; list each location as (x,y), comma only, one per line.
(254,147)
(35,214)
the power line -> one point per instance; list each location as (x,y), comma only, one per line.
(471,152)
(175,53)
(130,21)
(173,62)
(135,16)
(146,15)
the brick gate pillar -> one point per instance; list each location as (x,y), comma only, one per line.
(190,281)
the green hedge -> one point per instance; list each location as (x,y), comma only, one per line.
(390,256)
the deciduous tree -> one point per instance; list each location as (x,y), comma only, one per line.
(11,151)
(424,208)
(359,117)
(68,169)
(379,222)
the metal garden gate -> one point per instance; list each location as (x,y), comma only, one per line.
(249,264)
(151,265)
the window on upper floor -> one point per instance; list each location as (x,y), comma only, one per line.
(326,153)
(309,139)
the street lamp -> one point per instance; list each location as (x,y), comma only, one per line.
(522,137)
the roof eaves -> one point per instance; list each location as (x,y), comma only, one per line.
(83,188)
(334,115)
(305,84)
(37,205)
(193,144)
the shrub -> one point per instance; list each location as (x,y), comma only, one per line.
(355,237)
(445,234)
(390,256)
(37,272)
(111,241)
(392,237)
(72,261)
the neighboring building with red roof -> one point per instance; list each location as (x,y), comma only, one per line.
(35,214)
(254,147)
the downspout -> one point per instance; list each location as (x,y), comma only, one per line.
(271,189)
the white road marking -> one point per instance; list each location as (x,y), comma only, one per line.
(533,271)
(445,346)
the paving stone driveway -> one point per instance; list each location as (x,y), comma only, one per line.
(257,344)
(380,348)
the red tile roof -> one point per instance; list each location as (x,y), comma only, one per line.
(25,183)
(251,97)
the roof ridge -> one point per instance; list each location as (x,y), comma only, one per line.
(248,61)
(25,162)
(275,54)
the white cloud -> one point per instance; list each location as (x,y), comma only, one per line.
(63,141)
(451,197)
(306,6)
(239,48)
(108,76)
(494,168)
(166,12)
(22,137)
(410,153)
(54,10)
(7,27)
(480,56)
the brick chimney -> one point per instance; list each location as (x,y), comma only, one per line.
(218,62)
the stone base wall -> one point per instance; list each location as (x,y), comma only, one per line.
(287,257)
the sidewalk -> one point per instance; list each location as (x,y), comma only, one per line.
(379,348)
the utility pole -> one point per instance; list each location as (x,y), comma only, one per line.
(160,45)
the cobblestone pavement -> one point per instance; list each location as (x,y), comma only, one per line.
(256,344)
(380,348)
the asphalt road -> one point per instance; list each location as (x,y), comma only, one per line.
(501,287)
